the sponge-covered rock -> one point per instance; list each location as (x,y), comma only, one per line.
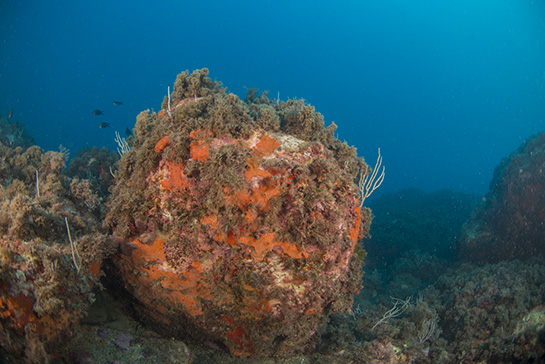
(238,222)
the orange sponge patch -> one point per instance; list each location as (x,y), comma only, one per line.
(18,311)
(176,178)
(258,198)
(266,145)
(198,148)
(199,152)
(265,244)
(162,144)
(355,231)
(160,280)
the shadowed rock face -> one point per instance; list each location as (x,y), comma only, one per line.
(510,224)
(238,222)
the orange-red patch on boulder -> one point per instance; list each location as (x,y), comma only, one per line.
(162,144)
(266,145)
(176,178)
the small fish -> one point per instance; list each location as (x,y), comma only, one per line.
(116,103)
(128,132)
(10,114)
(97,112)
(103,125)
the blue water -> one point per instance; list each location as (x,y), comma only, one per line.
(444,88)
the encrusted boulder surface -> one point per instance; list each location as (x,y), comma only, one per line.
(510,224)
(238,222)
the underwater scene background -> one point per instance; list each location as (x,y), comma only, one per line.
(237,214)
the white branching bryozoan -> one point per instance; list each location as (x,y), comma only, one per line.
(169,110)
(369,182)
(399,307)
(37,185)
(123,147)
(428,328)
(75,255)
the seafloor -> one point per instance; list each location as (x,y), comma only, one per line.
(455,313)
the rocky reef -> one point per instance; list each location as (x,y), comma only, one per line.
(467,314)
(51,250)
(238,221)
(509,224)
(94,165)
(13,134)
(493,313)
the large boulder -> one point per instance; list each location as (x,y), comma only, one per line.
(238,222)
(510,223)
